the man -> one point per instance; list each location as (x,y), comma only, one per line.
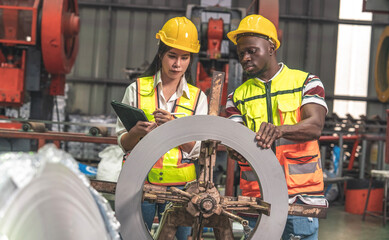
(286,109)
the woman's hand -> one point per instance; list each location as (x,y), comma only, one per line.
(132,137)
(162,116)
(142,128)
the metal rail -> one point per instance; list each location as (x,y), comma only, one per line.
(55,137)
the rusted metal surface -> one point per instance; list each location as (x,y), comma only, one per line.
(175,215)
(207,159)
(34,127)
(56,136)
(230,175)
(307,211)
(225,203)
(103,186)
(216,93)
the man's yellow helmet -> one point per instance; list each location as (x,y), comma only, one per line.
(180,33)
(256,24)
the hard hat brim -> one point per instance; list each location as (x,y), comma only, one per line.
(183,48)
(233,34)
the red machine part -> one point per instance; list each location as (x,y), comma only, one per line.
(59,34)
(12,80)
(270,10)
(204,73)
(19,20)
(215,37)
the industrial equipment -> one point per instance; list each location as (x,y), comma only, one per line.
(216,52)
(201,205)
(38,46)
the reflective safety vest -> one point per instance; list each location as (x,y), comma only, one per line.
(170,169)
(278,102)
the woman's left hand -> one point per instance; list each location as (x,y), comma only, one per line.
(162,116)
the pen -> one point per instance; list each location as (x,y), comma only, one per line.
(173,114)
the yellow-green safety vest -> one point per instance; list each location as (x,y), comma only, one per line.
(169,169)
(278,102)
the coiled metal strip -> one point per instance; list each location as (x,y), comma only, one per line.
(198,128)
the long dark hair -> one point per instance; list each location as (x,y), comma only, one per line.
(156,64)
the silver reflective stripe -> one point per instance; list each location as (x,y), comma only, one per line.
(319,163)
(283,141)
(302,168)
(249,176)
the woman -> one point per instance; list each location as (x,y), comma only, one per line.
(161,91)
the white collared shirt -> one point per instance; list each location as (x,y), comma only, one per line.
(130,99)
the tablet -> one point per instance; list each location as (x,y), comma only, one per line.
(128,115)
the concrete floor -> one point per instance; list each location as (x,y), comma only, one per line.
(341,225)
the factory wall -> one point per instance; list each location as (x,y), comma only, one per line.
(121,34)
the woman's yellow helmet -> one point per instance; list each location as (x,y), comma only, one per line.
(180,33)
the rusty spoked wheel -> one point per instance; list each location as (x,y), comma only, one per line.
(381,71)
(129,188)
(59,35)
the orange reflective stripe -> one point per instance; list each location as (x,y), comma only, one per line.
(281,117)
(159,163)
(298,114)
(188,105)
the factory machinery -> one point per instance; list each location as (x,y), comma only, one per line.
(39,45)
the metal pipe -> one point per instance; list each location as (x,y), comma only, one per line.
(328,20)
(362,159)
(352,98)
(131,7)
(380,155)
(341,153)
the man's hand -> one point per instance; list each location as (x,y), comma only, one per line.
(267,134)
(162,116)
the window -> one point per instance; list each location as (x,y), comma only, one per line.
(352,60)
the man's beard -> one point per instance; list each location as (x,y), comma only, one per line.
(257,74)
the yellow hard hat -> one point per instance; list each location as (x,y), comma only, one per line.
(256,24)
(180,33)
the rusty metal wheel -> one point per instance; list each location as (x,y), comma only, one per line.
(59,35)
(129,188)
(381,71)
